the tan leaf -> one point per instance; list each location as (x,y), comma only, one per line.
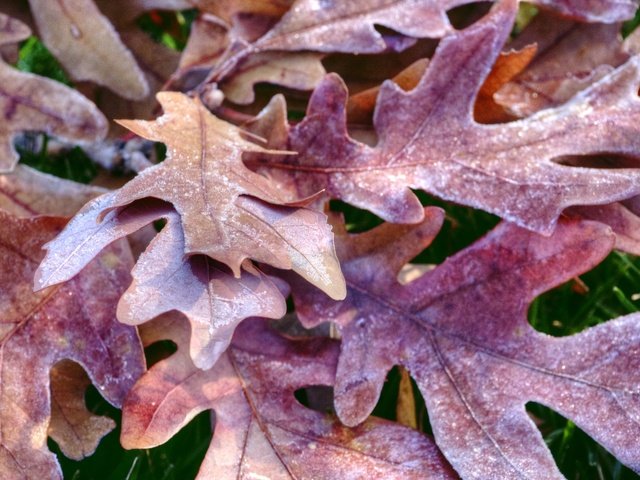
(301,71)
(75,429)
(406,404)
(30,102)
(26,192)
(88,46)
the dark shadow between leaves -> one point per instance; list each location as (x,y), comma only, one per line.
(316,397)
(465,15)
(602,160)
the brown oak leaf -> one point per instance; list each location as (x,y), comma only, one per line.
(571,56)
(74,321)
(26,192)
(75,429)
(30,102)
(260,428)
(88,46)
(164,279)
(461,330)
(428,139)
(227,215)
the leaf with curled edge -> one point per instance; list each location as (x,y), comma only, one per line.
(260,428)
(429,140)
(88,46)
(571,56)
(227,212)
(326,27)
(26,192)
(461,330)
(30,102)
(73,321)
(164,278)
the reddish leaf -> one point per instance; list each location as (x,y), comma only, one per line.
(429,140)
(462,332)
(571,57)
(605,11)
(260,428)
(360,107)
(74,321)
(214,204)
(30,102)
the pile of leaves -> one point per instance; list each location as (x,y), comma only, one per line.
(317,213)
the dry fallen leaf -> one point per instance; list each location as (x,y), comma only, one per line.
(216,197)
(27,192)
(461,330)
(219,199)
(261,430)
(30,102)
(571,56)
(73,321)
(88,46)
(428,139)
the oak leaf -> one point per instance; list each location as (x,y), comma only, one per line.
(333,27)
(428,139)
(227,215)
(211,39)
(30,102)
(260,428)
(461,330)
(570,57)
(74,321)
(26,192)
(88,46)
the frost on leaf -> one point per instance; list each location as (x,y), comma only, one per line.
(261,431)
(75,322)
(227,216)
(429,140)
(461,330)
(30,102)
